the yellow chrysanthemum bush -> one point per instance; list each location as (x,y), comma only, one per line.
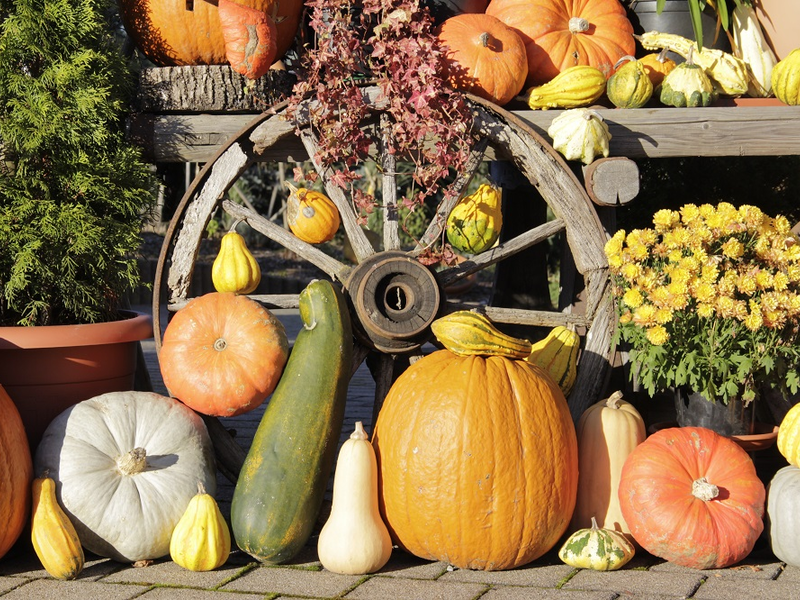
(709,298)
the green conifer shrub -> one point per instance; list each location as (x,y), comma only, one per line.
(74,192)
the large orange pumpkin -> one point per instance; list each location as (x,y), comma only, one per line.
(16,473)
(486,57)
(223,354)
(559,34)
(187,32)
(692,497)
(478,461)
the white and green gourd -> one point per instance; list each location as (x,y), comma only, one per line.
(597,548)
(580,134)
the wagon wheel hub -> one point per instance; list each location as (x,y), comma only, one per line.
(394,298)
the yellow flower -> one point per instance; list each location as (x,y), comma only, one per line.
(644,315)
(680,275)
(710,272)
(689,213)
(657,335)
(751,216)
(630,271)
(705,310)
(782,225)
(663,315)
(625,317)
(726,307)
(780,282)
(615,262)
(614,246)
(704,292)
(754,320)
(746,283)
(665,219)
(764,279)
(633,298)
(733,248)
(679,295)
(660,296)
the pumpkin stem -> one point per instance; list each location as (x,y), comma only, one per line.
(132,462)
(309,212)
(235,224)
(614,399)
(484,37)
(703,490)
(201,489)
(578,25)
(594,524)
(359,433)
(220,345)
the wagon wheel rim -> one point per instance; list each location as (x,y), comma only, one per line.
(403,328)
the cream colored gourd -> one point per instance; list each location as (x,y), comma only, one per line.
(53,535)
(728,73)
(201,541)
(608,431)
(354,539)
(597,548)
(751,46)
(580,134)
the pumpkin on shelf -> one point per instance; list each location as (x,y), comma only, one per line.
(16,473)
(126,491)
(657,65)
(201,541)
(53,535)
(485,57)
(687,85)
(235,269)
(597,548)
(177,32)
(692,497)
(223,354)
(574,87)
(458,484)
(630,85)
(250,37)
(785,79)
(312,216)
(608,432)
(559,34)
(354,539)
(474,224)
(580,134)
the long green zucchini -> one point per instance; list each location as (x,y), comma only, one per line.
(282,483)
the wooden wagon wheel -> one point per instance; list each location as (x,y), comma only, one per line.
(386,326)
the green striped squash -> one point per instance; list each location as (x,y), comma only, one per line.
(596,548)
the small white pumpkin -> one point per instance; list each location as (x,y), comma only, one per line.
(126,465)
(580,134)
(354,539)
(783,506)
(597,548)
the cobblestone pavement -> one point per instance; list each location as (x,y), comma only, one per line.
(405,577)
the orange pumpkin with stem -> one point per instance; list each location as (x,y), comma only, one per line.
(486,57)
(559,34)
(478,461)
(223,354)
(16,473)
(692,497)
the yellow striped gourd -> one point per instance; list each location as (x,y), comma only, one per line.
(574,87)
(469,333)
(558,355)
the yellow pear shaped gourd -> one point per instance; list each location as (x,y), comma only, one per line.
(54,538)
(474,223)
(786,79)
(201,541)
(311,216)
(235,269)
(354,539)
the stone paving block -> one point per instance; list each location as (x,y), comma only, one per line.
(725,588)
(535,575)
(165,571)
(790,573)
(626,581)
(163,593)
(415,589)
(53,589)
(292,581)
(9,583)
(403,564)
(747,569)
(527,593)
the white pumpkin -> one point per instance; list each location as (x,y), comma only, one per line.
(126,465)
(783,506)
(580,134)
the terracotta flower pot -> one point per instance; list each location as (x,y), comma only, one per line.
(780,20)
(46,370)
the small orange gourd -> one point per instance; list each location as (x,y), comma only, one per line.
(311,216)
(486,57)
(250,38)
(657,65)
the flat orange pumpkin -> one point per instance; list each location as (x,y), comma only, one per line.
(478,461)
(16,473)
(223,354)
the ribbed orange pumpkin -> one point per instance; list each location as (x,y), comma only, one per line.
(692,497)
(563,33)
(181,32)
(478,461)
(223,354)
(486,57)
(16,473)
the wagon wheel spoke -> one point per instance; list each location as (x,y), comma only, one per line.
(358,239)
(276,233)
(437,224)
(391,223)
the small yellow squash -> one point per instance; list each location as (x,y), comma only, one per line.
(311,216)
(786,79)
(789,436)
(629,86)
(354,539)
(54,538)
(558,355)
(468,333)
(597,548)
(201,541)
(580,134)
(574,87)
(235,269)
(474,223)
(687,85)
(657,65)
